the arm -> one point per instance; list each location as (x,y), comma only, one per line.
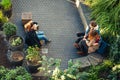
(95,44)
(87,30)
(90,43)
(27,25)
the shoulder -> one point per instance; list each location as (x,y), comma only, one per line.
(96,28)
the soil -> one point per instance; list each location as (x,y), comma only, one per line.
(104,73)
(40,78)
(17,56)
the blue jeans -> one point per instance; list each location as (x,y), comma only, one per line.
(42,36)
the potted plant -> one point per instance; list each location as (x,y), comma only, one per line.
(19,73)
(7,7)
(9,29)
(15,57)
(33,58)
(16,42)
(3,19)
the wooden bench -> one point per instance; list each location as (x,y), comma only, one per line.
(26,16)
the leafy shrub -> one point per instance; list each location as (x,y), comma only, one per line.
(6,4)
(106,13)
(16,41)
(89,2)
(19,73)
(33,55)
(115,50)
(103,11)
(51,67)
(9,28)
(3,19)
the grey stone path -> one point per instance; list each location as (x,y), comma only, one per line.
(60,21)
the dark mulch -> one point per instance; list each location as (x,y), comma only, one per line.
(3,52)
(40,78)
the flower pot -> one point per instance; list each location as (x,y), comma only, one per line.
(15,57)
(17,46)
(8,13)
(32,68)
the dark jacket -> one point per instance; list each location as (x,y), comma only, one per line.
(31,39)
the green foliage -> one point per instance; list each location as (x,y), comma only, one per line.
(51,68)
(16,41)
(9,28)
(115,50)
(115,72)
(71,73)
(53,71)
(6,4)
(19,73)
(107,14)
(107,63)
(99,72)
(3,19)
(103,11)
(48,65)
(90,2)
(33,55)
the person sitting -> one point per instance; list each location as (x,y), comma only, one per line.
(31,38)
(90,44)
(34,26)
(92,26)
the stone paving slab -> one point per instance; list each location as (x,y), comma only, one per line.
(84,62)
(60,21)
(95,58)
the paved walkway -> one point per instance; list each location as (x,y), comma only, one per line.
(59,19)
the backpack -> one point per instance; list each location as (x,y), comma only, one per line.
(102,47)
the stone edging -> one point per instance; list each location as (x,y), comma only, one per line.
(82,16)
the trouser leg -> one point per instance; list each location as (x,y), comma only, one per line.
(79,39)
(80,34)
(83,46)
(43,37)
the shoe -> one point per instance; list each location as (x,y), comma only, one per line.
(78,34)
(49,41)
(80,53)
(76,45)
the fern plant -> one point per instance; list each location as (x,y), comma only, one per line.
(106,13)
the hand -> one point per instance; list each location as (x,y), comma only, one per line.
(85,37)
(96,44)
(76,45)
